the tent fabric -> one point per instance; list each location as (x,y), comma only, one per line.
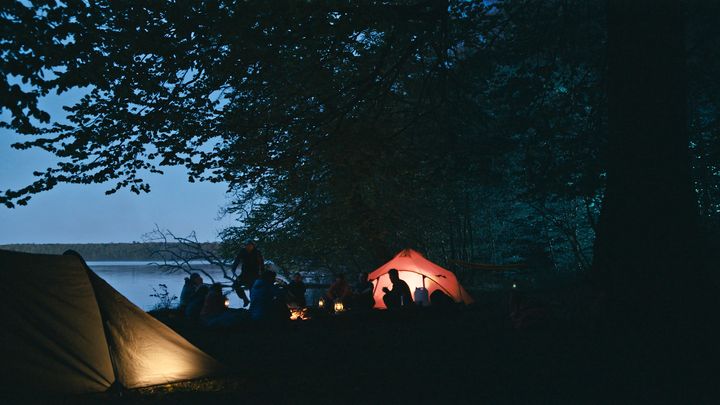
(66,330)
(145,351)
(417,271)
(51,337)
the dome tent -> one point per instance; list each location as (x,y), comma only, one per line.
(66,330)
(417,271)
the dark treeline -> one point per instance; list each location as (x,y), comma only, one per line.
(103,251)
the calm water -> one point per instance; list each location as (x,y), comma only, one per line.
(136,280)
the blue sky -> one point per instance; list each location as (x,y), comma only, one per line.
(84,214)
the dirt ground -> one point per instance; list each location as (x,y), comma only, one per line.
(472,355)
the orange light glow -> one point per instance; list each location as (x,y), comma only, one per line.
(417,271)
(301,314)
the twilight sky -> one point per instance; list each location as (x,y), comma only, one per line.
(84,214)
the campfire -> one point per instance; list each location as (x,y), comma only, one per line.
(301,314)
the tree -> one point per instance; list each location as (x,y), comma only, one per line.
(649,249)
(345,130)
(384,118)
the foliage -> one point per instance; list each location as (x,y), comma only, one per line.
(345,130)
(165,300)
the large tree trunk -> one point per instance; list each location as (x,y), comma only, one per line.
(648,249)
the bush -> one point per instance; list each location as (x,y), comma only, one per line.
(165,300)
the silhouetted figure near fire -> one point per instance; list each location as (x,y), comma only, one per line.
(266,299)
(339,290)
(252,265)
(400,295)
(296,291)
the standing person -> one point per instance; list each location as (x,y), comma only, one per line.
(400,295)
(296,291)
(252,265)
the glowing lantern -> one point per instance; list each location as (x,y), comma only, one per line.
(321,303)
(227,303)
(339,307)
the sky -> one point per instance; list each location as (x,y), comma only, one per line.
(72,213)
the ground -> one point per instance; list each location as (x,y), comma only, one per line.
(470,355)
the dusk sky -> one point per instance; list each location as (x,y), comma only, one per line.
(84,214)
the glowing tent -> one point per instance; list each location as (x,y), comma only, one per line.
(66,330)
(417,271)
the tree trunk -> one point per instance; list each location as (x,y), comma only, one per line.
(648,249)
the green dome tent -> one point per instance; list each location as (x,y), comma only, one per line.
(66,330)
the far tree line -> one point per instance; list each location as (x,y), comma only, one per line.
(148,251)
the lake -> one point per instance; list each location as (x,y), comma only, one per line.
(136,281)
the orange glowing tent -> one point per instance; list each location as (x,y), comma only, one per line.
(64,329)
(417,271)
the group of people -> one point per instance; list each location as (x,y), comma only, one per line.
(359,296)
(362,294)
(208,303)
(268,301)
(199,301)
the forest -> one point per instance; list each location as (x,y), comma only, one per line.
(566,152)
(576,137)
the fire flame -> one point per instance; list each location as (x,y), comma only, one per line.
(301,314)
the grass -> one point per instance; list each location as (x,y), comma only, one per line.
(433,357)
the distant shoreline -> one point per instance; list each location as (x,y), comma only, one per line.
(98,252)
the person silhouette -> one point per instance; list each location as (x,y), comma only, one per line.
(400,295)
(363,293)
(252,265)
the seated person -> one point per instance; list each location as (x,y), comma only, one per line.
(192,297)
(439,299)
(339,290)
(214,302)
(266,299)
(400,295)
(214,311)
(187,290)
(363,293)
(296,292)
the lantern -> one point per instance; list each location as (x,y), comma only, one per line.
(227,303)
(339,307)
(321,303)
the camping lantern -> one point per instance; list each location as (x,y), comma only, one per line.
(321,303)
(227,303)
(339,307)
